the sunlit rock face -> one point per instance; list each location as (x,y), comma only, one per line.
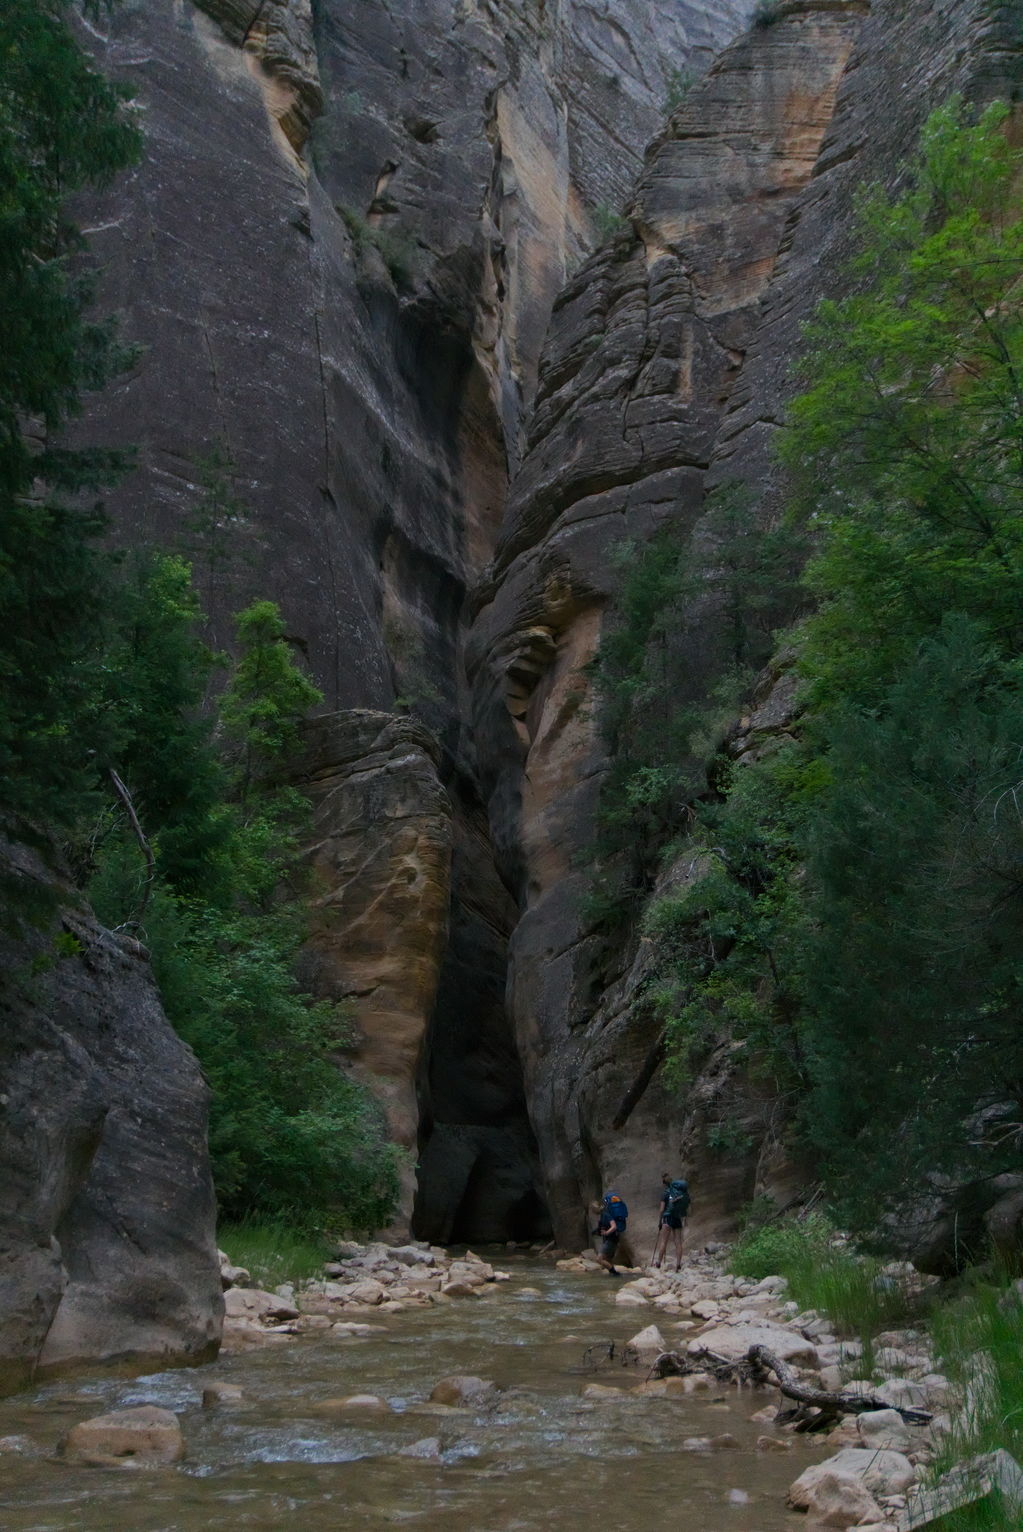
(666,370)
(107,1248)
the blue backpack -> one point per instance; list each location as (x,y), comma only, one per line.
(615,1209)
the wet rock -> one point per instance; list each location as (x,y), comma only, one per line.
(145,1435)
(698,1382)
(462,1389)
(696,1444)
(529,1292)
(369,1402)
(836,1500)
(252,1303)
(884,1429)
(460,1290)
(351,1327)
(648,1344)
(601,1391)
(725,1442)
(215,1394)
(734,1340)
(774,1443)
(626,1299)
(765,1416)
(663,1388)
(427,1448)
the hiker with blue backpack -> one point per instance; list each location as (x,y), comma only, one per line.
(674,1209)
(610,1227)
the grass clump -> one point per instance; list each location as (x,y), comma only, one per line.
(979,1344)
(827,1275)
(273,1251)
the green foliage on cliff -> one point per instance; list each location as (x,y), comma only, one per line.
(62,127)
(104,679)
(290,1134)
(857,912)
(694,619)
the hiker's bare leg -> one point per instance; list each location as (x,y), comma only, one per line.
(678,1248)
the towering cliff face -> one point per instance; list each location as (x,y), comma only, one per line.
(107,1246)
(339,256)
(666,372)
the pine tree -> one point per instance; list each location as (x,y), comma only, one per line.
(62,127)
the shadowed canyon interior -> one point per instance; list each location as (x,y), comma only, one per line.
(463,294)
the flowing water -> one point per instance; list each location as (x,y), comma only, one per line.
(540,1456)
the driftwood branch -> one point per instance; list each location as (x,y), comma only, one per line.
(755,1368)
(763,1361)
(147,851)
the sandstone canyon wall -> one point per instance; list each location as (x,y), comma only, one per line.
(107,1247)
(665,373)
(354,227)
(339,257)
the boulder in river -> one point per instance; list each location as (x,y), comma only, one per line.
(648,1344)
(144,1436)
(215,1394)
(460,1389)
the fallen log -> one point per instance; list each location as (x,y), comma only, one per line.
(763,1362)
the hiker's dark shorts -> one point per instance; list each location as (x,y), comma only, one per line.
(673,1221)
(609,1244)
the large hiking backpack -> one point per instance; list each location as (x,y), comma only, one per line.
(677,1201)
(614,1208)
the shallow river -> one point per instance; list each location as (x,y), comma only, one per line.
(543,1456)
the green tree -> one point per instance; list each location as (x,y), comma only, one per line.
(692,622)
(62,127)
(267,695)
(859,914)
(291,1135)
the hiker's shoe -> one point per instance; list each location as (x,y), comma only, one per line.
(612,1273)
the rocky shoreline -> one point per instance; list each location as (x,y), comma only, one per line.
(701,1321)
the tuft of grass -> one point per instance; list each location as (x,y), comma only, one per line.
(851,1289)
(274,1252)
(979,1343)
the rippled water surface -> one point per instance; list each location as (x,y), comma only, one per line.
(541,1456)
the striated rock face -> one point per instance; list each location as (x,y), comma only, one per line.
(381,866)
(346,245)
(645,347)
(107,1246)
(343,246)
(667,366)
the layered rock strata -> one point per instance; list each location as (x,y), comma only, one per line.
(380,858)
(666,371)
(645,348)
(107,1248)
(344,240)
